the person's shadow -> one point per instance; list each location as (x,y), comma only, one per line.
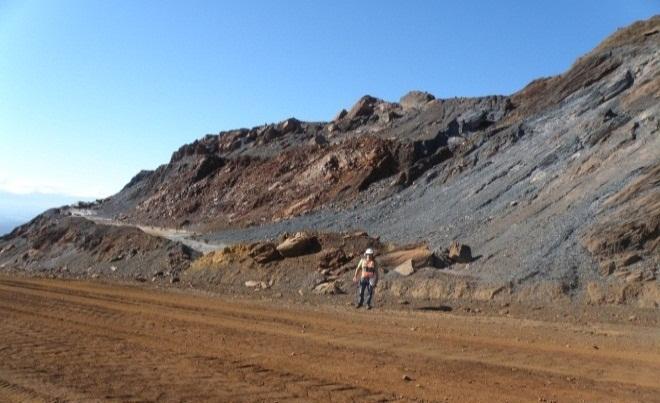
(434,308)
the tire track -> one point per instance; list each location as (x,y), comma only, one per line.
(485,352)
(249,381)
(80,341)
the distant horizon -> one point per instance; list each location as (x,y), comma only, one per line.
(7,226)
(101,91)
(16,209)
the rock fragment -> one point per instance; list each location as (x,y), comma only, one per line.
(328,288)
(406,268)
(415,100)
(299,244)
(460,253)
(264,252)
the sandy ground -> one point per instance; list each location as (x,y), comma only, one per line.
(86,341)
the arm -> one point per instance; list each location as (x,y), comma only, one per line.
(357,270)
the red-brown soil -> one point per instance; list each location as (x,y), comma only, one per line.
(80,341)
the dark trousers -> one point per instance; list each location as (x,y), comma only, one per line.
(364,284)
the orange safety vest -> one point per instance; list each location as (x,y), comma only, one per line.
(368,268)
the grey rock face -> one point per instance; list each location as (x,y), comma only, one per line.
(528,183)
(531,181)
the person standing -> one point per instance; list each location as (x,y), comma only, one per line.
(368,278)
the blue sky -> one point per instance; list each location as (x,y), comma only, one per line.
(93,91)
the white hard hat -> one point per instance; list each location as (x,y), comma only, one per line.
(369,251)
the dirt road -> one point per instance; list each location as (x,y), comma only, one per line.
(185,237)
(81,341)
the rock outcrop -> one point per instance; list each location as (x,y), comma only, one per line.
(554,187)
(415,100)
(298,245)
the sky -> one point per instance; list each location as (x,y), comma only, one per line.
(92,91)
(16,209)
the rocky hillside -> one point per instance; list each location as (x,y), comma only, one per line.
(555,187)
(55,243)
(275,172)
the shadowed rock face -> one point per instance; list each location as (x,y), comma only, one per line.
(554,187)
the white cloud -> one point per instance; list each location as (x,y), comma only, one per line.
(27,186)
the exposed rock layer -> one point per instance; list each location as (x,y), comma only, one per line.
(555,187)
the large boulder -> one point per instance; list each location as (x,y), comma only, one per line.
(264,252)
(415,99)
(290,125)
(417,256)
(298,245)
(460,253)
(406,268)
(411,265)
(364,107)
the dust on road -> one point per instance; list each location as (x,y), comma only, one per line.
(85,341)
